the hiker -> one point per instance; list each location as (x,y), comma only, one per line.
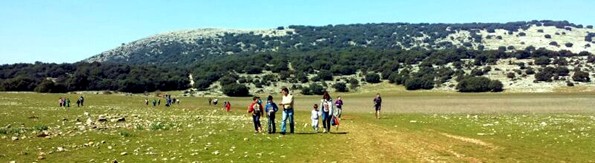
(326,109)
(339,106)
(146,101)
(60,101)
(215,101)
(78,103)
(378,105)
(210,100)
(314,116)
(287,105)
(227,106)
(159,102)
(271,108)
(154,102)
(68,102)
(82,101)
(178,101)
(256,109)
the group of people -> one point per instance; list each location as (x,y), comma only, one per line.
(65,102)
(330,112)
(257,111)
(168,101)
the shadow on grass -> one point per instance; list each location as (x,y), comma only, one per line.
(313,133)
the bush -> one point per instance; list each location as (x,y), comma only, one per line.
(548,36)
(530,71)
(353,83)
(568,45)
(235,90)
(542,61)
(510,75)
(340,87)
(543,76)
(48,86)
(554,43)
(562,71)
(581,76)
(416,83)
(479,84)
(306,91)
(316,89)
(372,78)
(325,75)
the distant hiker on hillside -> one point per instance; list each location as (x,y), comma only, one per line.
(339,105)
(227,106)
(215,101)
(327,110)
(146,101)
(67,102)
(60,101)
(271,108)
(256,109)
(378,105)
(210,100)
(287,105)
(154,102)
(78,103)
(158,101)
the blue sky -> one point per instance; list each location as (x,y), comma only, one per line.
(71,30)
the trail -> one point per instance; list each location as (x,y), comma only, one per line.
(370,142)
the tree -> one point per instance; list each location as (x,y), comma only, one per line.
(479,84)
(316,89)
(568,44)
(235,90)
(353,83)
(372,78)
(340,87)
(416,83)
(48,86)
(496,86)
(325,75)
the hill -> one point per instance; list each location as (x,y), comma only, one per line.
(535,56)
(191,46)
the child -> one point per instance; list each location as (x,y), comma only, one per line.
(256,109)
(314,117)
(271,108)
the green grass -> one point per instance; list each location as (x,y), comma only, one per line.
(410,131)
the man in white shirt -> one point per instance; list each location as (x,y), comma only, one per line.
(287,105)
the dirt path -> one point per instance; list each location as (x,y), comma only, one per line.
(369,142)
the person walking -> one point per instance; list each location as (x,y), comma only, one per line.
(327,110)
(287,105)
(227,106)
(256,109)
(339,105)
(378,105)
(271,108)
(314,116)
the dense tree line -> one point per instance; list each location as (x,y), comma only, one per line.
(46,77)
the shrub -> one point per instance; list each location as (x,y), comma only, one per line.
(568,45)
(416,83)
(581,76)
(340,87)
(316,89)
(353,83)
(542,61)
(530,71)
(235,90)
(325,75)
(372,78)
(548,36)
(554,43)
(41,127)
(479,84)
(543,76)
(510,75)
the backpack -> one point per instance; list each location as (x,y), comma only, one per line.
(256,108)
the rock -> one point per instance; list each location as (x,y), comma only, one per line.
(43,134)
(8,126)
(41,156)
(123,153)
(115,161)
(101,118)
(86,114)
(14,138)
(90,122)
(60,149)
(122,119)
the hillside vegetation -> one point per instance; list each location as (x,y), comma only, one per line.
(473,57)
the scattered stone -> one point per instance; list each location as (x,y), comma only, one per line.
(101,118)
(122,119)
(41,156)
(123,153)
(86,114)
(115,161)
(89,122)
(43,134)
(60,149)
(14,138)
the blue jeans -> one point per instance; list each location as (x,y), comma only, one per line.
(326,121)
(256,120)
(287,114)
(272,127)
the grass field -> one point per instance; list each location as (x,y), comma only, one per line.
(415,127)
